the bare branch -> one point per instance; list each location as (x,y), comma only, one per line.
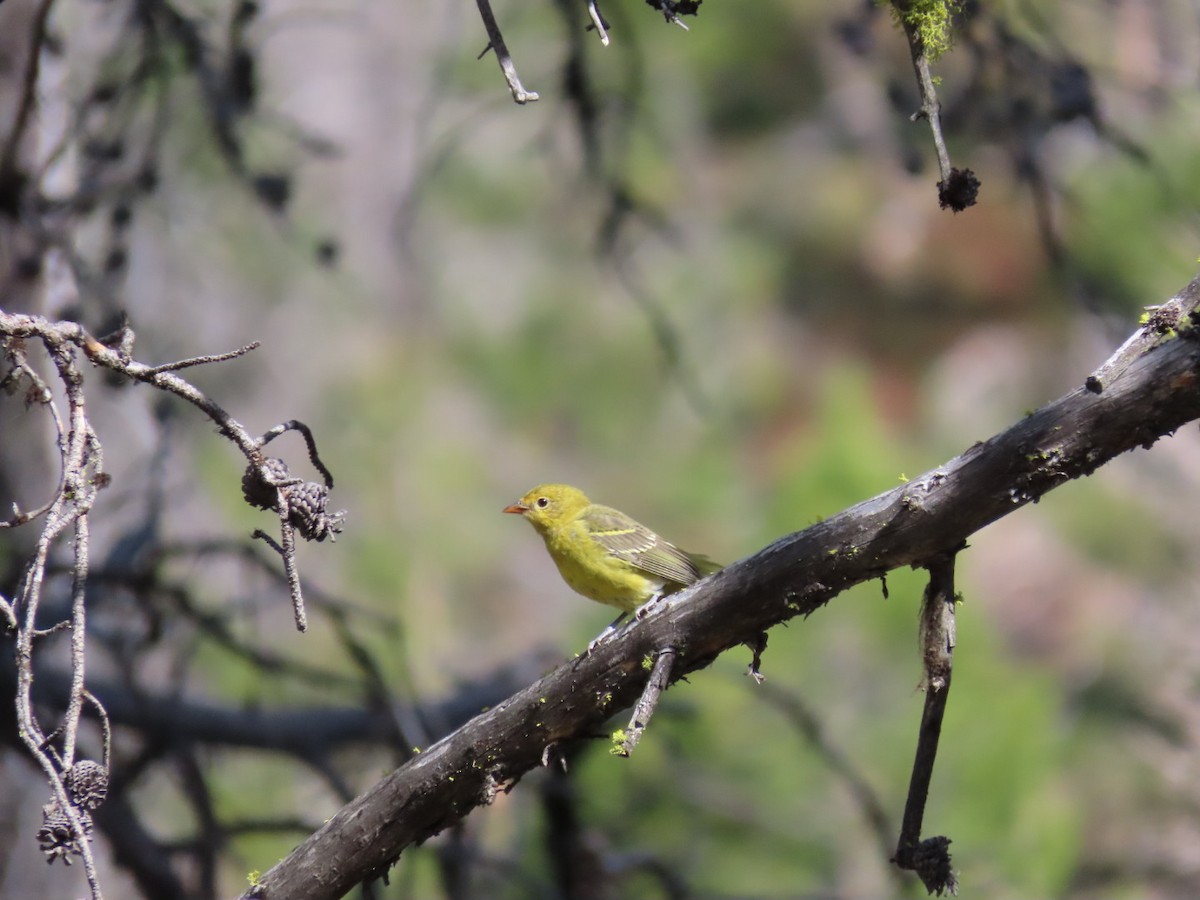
(957,188)
(496,44)
(309,441)
(598,22)
(66,828)
(287,552)
(267,483)
(78,641)
(660,678)
(205,360)
(930,859)
(38,393)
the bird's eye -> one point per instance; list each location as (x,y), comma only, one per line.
(543,502)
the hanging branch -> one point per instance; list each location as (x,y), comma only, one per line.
(930,858)
(598,23)
(958,188)
(497,45)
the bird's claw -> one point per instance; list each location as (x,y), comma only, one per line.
(644,610)
(600,639)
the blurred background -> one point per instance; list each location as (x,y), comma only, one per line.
(706,279)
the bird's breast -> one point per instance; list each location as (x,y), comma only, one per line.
(590,570)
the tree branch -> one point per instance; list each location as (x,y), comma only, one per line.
(958,188)
(930,859)
(496,43)
(659,681)
(914,524)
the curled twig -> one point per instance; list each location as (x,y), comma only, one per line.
(757,649)
(309,441)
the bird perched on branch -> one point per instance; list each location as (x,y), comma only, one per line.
(604,554)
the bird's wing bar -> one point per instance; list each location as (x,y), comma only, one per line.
(639,546)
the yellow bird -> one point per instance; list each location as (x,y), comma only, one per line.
(604,554)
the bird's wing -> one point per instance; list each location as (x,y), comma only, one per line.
(639,546)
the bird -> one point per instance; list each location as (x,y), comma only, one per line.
(606,555)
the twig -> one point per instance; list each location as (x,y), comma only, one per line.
(309,441)
(930,859)
(105,727)
(288,553)
(671,9)
(757,648)
(496,44)
(204,360)
(957,188)
(931,108)
(598,21)
(301,505)
(660,678)
(41,394)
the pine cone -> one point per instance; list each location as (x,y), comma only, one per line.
(86,783)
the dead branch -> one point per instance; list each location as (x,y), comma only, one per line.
(497,45)
(659,680)
(930,859)
(78,787)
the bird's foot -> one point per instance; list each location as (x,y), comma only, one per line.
(608,632)
(600,639)
(644,610)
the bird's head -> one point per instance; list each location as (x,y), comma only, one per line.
(548,505)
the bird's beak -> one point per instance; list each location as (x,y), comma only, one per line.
(519,508)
